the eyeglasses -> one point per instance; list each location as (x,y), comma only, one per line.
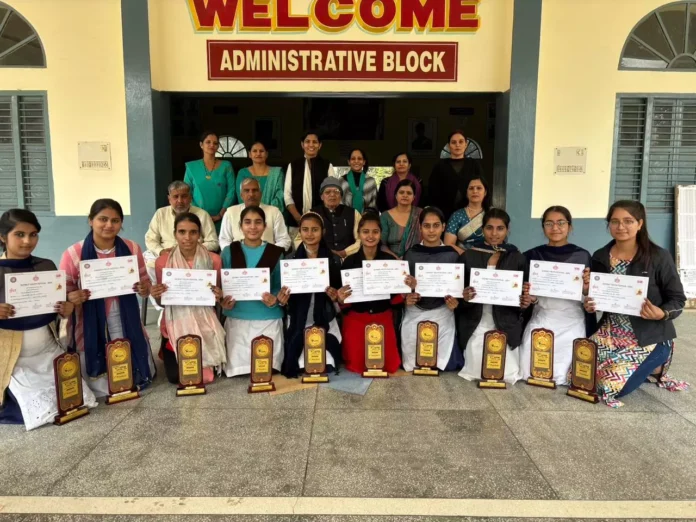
(560,223)
(625,222)
(333,192)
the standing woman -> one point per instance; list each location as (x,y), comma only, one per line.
(271,179)
(386,198)
(400,225)
(305,310)
(464,228)
(359,189)
(633,349)
(474,320)
(567,319)
(211,180)
(29,344)
(99,321)
(358,315)
(249,319)
(179,321)
(437,309)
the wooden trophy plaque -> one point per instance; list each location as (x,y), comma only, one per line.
(541,366)
(68,378)
(426,349)
(583,372)
(315,355)
(189,352)
(374,352)
(261,365)
(493,362)
(119,365)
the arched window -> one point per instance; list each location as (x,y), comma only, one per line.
(231,147)
(20,45)
(665,39)
(473,150)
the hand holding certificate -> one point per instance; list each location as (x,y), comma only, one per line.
(440,280)
(385,277)
(246,284)
(34,293)
(305,276)
(559,280)
(109,277)
(496,287)
(354,279)
(621,294)
(188,287)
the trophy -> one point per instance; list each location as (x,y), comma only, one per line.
(426,349)
(190,357)
(315,355)
(68,375)
(493,362)
(374,351)
(261,365)
(119,367)
(542,359)
(583,373)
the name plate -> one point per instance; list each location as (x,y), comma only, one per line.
(68,378)
(374,351)
(119,365)
(426,349)
(583,371)
(261,365)
(542,358)
(189,351)
(315,355)
(493,361)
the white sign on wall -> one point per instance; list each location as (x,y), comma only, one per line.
(94,155)
(685,211)
(570,160)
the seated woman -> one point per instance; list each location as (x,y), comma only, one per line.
(358,315)
(305,310)
(99,321)
(464,227)
(179,321)
(437,309)
(29,344)
(249,319)
(474,320)
(631,348)
(271,179)
(400,225)
(567,319)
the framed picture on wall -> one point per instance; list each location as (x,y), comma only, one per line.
(422,137)
(267,131)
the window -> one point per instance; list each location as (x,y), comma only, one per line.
(665,39)
(473,150)
(655,150)
(379,173)
(24,169)
(20,46)
(231,147)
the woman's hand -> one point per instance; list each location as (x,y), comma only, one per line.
(585,281)
(228,303)
(157,290)
(7,311)
(411,299)
(218,293)
(451,302)
(339,253)
(78,297)
(468,294)
(527,300)
(64,308)
(589,305)
(216,218)
(344,293)
(142,289)
(651,312)
(332,293)
(284,296)
(222,212)
(411,282)
(269,299)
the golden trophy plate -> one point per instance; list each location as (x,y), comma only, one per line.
(493,361)
(374,352)
(189,352)
(68,378)
(583,371)
(426,349)
(261,365)
(119,367)
(541,367)
(315,355)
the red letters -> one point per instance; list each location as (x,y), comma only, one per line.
(214,13)
(462,15)
(284,21)
(422,14)
(251,9)
(325,19)
(386,10)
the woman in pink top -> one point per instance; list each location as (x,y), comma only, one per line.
(96,322)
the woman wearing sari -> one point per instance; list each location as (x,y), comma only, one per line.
(28,345)
(400,225)
(179,321)
(271,179)
(465,226)
(386,197)
(96,322)
(359,189)
(306,310)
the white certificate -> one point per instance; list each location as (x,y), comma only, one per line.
(34,293)
(440,280)
(305,276)
(621,294)
(188,287)
(385,276)
(559,280)
(354,278)
(246,284)
(109,277)
(496,287)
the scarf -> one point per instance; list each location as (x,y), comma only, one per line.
(392,181)
(411,235)
(95,330)
(465,233)
(30,264)
(358,196)
(196,320)
(481,246)
(318,171)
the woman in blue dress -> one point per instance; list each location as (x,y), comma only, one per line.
(465,226)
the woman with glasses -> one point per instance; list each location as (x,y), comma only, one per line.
(567,319)
(631,348)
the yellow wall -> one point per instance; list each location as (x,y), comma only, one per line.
(581,42)
(86,94)
(178,53)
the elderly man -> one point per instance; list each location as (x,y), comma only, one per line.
(276,232)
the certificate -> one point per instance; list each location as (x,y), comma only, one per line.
(385,277)
(354,278)
(559,280)
(621,294)
(305,276)
(34,293)
(246,284)
(109,277)
(188,287)
(440,280)
(496,287)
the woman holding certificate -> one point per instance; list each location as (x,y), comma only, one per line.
(633,348)
(30,342)
(249,319)
(464,228)
(179,321)
(476,318)
(101,320)
(400,225)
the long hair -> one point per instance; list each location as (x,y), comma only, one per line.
(645,245)
(13,217)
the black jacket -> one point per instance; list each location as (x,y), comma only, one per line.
(447,187)
(664,290)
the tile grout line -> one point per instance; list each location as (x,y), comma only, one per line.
(309,448)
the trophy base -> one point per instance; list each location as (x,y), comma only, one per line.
(375,373)
(424,370)
(315,378)
(492,384)
(122,397)
(260,387)
(584,395)
(541,382)
(194,389)
(71,415)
